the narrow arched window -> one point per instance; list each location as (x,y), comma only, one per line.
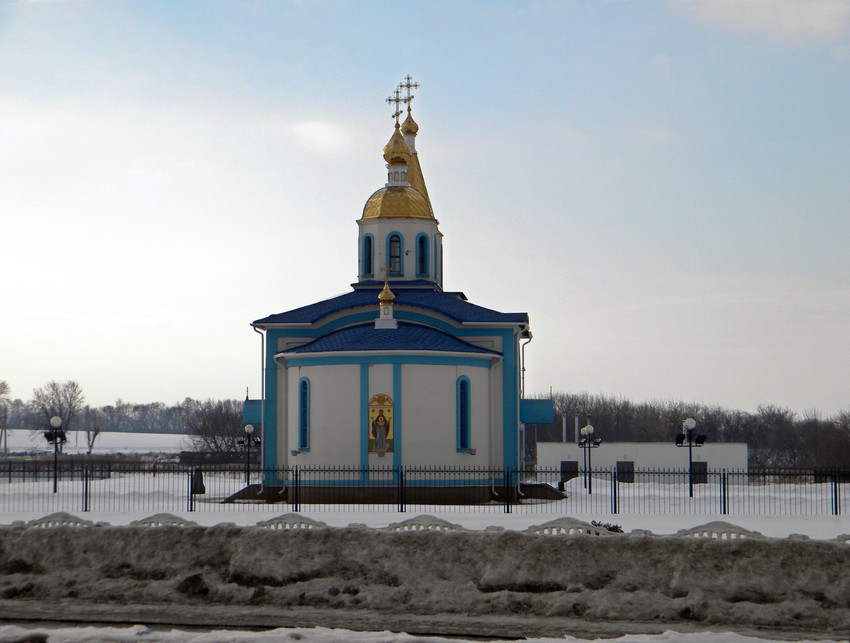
(394,243)
(464,429)
(368,256)
(304,414)
(422,255)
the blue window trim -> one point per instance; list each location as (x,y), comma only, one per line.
(400,271)
(422,255)
(367,256)
(464,414)
(304,414)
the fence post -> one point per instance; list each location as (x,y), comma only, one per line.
(724,493)
(508,486)
(86,489)
(615,492)
(295,478)
(836,490)
(191,501)
(401,489)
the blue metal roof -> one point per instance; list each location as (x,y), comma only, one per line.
(407,337)
(452,305)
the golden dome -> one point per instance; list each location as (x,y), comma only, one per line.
(397,203)
(409,125)
(386,296)
(397,152)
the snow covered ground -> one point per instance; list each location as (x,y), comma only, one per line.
(777,506)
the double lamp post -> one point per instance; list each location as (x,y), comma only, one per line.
(55,436)
(247,442)
(586,443)
(687,438)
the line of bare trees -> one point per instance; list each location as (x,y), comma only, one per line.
(211,425)
(776,437)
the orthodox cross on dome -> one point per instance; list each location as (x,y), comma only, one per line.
(408,85)
(397,99)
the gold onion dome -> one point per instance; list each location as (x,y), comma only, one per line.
(409,125)
(386,296)
(397,151)
(397,203)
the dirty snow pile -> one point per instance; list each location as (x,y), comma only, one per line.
(9,634)
(227,571)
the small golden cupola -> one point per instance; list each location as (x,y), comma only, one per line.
(397,153)
(386,298)
(409,126)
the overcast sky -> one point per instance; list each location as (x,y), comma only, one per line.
(662,185)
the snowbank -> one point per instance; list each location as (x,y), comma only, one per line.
(800,585)
(16,634)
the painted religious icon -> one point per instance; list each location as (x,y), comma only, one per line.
(381,424)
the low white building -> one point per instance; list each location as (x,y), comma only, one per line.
(630,457)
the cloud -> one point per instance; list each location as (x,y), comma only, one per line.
(318,136)
(789,21)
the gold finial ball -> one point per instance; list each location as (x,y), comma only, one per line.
(386,296)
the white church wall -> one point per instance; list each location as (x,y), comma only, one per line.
(428,399)
(282,417)
(490,342)
(334,414)
(429,406)
(496,428)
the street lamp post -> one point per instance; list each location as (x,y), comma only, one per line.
(249,429)
(587,443)
(688,439)
(248,442)
(56,436)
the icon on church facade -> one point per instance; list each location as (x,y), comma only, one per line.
(381,424)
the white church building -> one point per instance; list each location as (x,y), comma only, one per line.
(398,372)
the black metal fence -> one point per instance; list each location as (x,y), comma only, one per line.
(28,486)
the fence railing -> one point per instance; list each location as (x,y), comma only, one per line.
(28,486)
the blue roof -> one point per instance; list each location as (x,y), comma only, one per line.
(407,337)
(452,305)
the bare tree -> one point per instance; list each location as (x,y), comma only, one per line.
(92,421)
(215,425)
(63,399)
